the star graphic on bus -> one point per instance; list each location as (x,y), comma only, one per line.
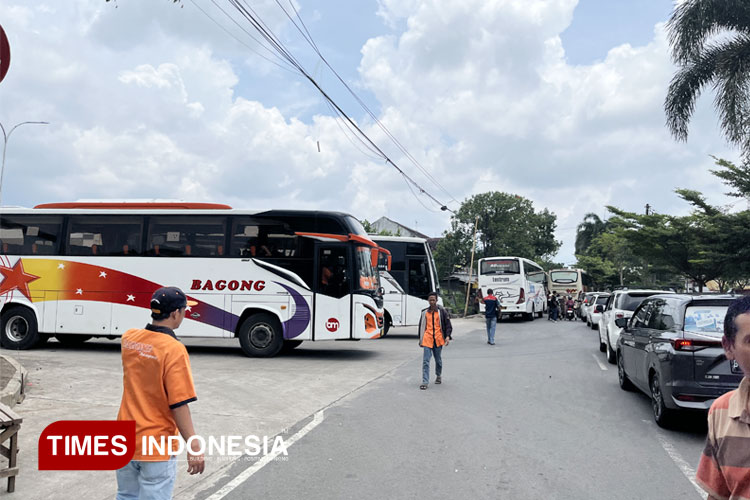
(15,278)
(131,298)
(102,274)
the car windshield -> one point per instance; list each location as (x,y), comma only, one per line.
(563,276)
(706,320)
(500,266)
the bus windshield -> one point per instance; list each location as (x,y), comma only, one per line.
(367,275)
(564,276)
(500,266)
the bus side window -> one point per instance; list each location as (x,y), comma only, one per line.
(31,234)
(105,235)
(182,236)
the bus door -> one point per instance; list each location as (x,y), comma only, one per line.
(333,276)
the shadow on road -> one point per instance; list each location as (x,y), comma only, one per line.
(331,354)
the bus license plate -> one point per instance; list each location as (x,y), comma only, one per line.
(735,366)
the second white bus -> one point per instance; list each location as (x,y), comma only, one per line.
(412,277)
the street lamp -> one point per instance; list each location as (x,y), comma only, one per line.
(5,146)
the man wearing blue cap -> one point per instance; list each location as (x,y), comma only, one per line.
(157,387)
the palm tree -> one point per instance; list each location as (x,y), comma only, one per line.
(591,227)
(710,41)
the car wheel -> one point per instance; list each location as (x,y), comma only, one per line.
(662,415)
(611,354)
(260,336)
(72,340)
(18,329)
(622,377)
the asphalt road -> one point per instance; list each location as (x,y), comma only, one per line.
(538,415)
(534,416)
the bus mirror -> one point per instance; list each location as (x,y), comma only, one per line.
(381,291)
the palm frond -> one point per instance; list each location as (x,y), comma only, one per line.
(694,22)
(685,88)
(733,90)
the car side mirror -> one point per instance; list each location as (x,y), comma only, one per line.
(621,322)
(599,309)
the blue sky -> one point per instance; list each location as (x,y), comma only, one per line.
(558,101)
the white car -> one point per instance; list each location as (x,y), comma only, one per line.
(592,314)
(620,304)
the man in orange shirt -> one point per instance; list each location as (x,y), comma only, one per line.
(157,387)
(434,332)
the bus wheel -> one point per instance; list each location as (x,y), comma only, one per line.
(72,340)
(290,344)
(530,316)
(260,336)
(18,329)
(386,324)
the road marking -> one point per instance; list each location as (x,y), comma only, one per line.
(601,365)
(681,464)
(247,473)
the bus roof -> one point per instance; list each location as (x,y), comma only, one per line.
(407,239)
(136,205)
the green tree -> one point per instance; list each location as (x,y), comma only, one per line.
(687,244)
(710,41)
(507,225)
(735,176)
(591,227)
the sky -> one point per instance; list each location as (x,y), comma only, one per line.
(559,101)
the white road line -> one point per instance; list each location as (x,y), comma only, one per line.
(598,362)
(681,464)
(245,475)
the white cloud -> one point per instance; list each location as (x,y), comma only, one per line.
(152,100)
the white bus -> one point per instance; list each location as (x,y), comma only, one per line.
(272,279)
(411,278)
(519,284)
(570,282)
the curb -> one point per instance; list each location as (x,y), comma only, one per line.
(13,392)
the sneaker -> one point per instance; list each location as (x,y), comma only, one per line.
(423,386)
(438,380)
(491,343)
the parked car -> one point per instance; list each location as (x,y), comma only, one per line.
(585,299)
(594,311)
(671,350)
(620,304)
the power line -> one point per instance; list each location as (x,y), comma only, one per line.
(277,46)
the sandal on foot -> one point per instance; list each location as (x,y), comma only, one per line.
(423,386)
(438,380)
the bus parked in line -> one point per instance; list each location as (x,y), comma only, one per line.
(571,282)
(412,277)
(271,279)
(518,283)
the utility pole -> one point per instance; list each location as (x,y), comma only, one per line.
(471,266)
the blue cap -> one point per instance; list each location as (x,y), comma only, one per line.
(168,299)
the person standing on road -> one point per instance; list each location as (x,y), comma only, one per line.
(554,302)
(724,468)
(491,311)
(434,332)
(157,387)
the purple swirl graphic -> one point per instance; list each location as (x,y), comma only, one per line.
(297,324)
